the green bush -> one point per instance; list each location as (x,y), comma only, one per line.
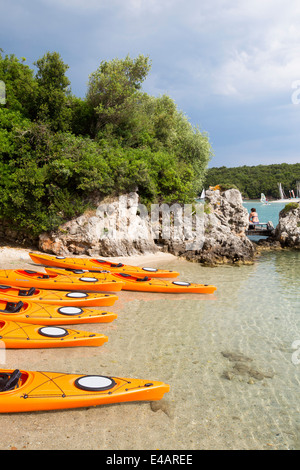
(57,152)
(289,207)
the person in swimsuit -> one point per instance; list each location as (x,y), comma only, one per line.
(253,218)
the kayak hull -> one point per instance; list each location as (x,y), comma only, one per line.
(90,264)
(27,278)
(39,391)
(43,314)
(58,297)
(17,335)
(132,283)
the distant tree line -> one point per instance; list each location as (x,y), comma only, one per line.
(254,180)
(59,151)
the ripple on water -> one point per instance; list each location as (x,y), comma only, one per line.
(254,314)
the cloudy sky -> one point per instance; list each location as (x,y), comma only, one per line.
(232,66)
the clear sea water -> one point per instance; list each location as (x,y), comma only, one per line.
(266,212)
(232,359)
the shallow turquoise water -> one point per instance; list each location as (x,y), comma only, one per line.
(266,212)
(232,359)
(255,312)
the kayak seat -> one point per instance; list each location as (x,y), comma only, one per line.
(44,276)
(9,382)
(142,279)
(119,265)
(13,307)
(24,292)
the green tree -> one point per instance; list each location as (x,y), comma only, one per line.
(113,91)
(20,84)
(52,103)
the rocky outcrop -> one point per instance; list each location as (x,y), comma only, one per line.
(225,221)
(116,228)
(213,233)
(287,232)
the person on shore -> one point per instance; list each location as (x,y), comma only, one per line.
(253,218)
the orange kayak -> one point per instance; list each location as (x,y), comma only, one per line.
(57,297)
(24,335)
(44,314)
(92,263)
(27,278)
(145,284)
(23,391)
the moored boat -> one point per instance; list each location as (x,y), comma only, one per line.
(23,391)
(40,280)
(92,263)
(57,297)
(145,284)
(44,314)
(18,335)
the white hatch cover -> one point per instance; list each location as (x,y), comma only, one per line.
(70,310)
(95,382)
(181,283)
(53,331)
(88,279)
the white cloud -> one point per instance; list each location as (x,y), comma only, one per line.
(260,53)
(219,60)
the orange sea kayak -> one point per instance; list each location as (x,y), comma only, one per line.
(22,391)
(57,297)
(92,263)
(44,314)
(27,278)
(145,284)
(18,335)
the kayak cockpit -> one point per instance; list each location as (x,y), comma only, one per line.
(35,274)
(132,278)
(12,307)
(106,263)
(29,292)
(10,380)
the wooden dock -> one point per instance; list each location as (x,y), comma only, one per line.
(261,230)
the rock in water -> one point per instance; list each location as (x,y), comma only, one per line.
(287,231)
(225,221)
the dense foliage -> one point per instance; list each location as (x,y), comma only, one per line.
(254,180)
(58,150)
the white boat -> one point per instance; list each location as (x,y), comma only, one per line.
(263,199)
(284,198)
(202,194)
